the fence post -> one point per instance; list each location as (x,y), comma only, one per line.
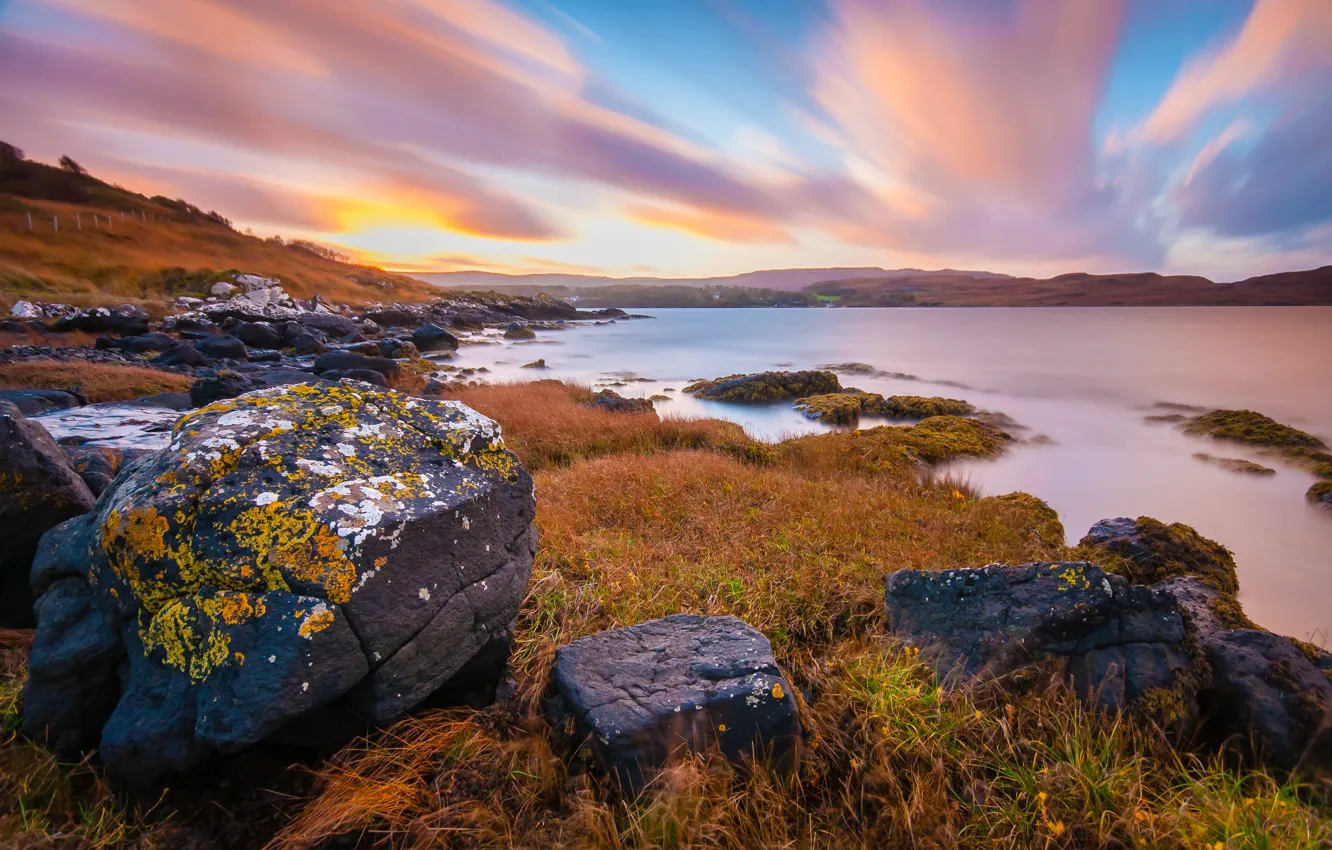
(55,224)
(30,221)
(78,221)
(94,221)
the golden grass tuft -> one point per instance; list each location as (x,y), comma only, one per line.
(96,381)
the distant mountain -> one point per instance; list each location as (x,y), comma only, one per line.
(1077,289)
(788,280)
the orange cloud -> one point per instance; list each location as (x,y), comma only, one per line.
(1279,38)
(708,224)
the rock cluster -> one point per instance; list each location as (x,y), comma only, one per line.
(612,402)
(766,386)
(296,557)
(1180,650)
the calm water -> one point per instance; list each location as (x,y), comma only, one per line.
(1082,377)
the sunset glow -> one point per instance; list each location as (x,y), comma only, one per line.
(706,137)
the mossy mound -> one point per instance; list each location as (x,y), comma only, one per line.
(1321,494)
(835,408)
(766,386)
(1234,464)
(847,408)
(1246,426)
(897,447)
(1147,551)
(1045,519)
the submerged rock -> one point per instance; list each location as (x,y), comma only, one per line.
(1119,643)
(32,402)
(639,693)
(295,556)
(766,386)
(1234,464)
(517,331)
(39,489)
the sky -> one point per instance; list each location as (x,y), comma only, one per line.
(683,138)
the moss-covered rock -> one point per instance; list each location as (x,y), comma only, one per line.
(1045,519)
(1147,551)
(847,408)
(766,386)
(1234,464)
(897,447)
(310,548)
(1321,494)
(1246,426)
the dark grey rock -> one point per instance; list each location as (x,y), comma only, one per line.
(141,344)
(638,693)
(182,354)
(99,465)
(613,402)
(39,489)
(126,320)
(223,347)
(432,337)
(224,385)
(347,554)
(259,335)
(341,361)
(32,402)
(331,324)
(393,317)
(402,349)
(169,401)
(1116,641)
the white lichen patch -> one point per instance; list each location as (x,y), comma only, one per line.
(265,499)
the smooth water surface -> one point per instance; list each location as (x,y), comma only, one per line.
(1083,377)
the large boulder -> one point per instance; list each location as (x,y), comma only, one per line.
(766,386)
(142,344)
(638,694)
(99,465)
(331,324)
(223,347)
(1120,643)
(295,554)
(181,354)
(432,337)
(39,489)
(519,331)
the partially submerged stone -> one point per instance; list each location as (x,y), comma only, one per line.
(613,402)
(39,489)
(638,694)
(1235,464)
(766,386)
(847,408)
(1119,643)
(304,549)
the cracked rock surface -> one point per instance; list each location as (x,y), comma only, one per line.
(1118,641)
(636,694)
(300,550)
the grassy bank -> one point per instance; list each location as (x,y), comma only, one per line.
(95,381)
(641,517)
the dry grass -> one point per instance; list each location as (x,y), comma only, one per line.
(633,527)
(70,339)
(96,381)
(126,262)
(546,424)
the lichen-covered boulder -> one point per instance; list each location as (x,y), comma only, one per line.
(39,488)
(1120,643)
(98,465)
(296,553)
(766,386)
(637,694)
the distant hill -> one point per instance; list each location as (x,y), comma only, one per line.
(150,249)
(1079,289)
(788,280)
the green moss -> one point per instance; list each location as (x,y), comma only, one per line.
(1246,426)
(766,386)
(1234,464)
(834,408)
(898,447)
(921,407)
(1230,613)
(1045,519)
(1159,552)
(847,408)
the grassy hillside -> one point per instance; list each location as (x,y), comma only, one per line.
(149,250)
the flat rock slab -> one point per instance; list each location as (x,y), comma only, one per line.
(1119,641)
(639,693)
